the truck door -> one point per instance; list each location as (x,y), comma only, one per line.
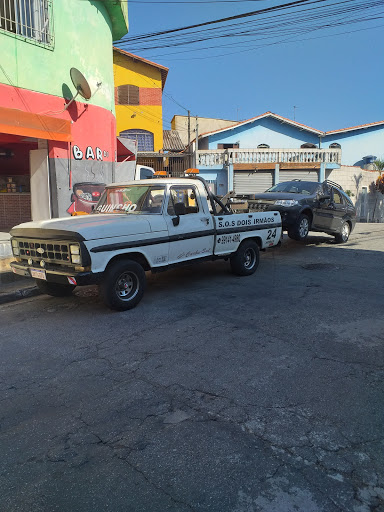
(190,228)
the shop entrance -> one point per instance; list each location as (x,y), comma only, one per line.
(15,179)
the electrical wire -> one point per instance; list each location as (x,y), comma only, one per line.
(281,25)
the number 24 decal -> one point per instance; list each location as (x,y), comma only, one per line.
(271,233)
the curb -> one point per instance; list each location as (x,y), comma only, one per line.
(22,293)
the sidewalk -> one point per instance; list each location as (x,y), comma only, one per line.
(12,286)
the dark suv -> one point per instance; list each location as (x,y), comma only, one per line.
(308,205)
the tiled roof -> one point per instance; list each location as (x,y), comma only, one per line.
(266,114)
(359,127)
(172,141)
(293,123)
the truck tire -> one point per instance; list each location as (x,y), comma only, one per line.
(123,285)
(55,289)
(246,259)
(301,228)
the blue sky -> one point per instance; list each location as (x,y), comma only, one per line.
(335,81)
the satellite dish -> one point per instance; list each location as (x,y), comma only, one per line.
(80,83)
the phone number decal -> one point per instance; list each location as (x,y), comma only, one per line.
(228,239)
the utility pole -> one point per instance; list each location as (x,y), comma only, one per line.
(294,112)
(189,138)
(196,159)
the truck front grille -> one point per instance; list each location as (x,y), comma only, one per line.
(52,252)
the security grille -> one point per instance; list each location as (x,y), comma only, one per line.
(303,175)
(28,18)
(246,182)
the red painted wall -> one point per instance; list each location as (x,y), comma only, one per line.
(91,126)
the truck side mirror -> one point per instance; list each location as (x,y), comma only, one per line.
(179,210)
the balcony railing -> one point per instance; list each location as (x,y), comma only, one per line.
(214,157)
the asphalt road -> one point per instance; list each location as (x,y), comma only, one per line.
(217,393)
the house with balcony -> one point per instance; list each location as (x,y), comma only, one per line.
(251,156)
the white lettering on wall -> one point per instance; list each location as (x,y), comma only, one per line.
(89,153)
(77,153)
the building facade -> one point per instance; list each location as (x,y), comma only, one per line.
(57,116)
(139,85)
(251,156)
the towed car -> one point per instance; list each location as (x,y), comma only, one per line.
(309,206)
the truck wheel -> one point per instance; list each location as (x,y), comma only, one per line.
(300,230)
(246,259)
(123,285)
(55,289)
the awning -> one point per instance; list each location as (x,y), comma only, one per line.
(27,124)
(126,149)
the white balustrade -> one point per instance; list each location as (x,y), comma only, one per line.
(215,157)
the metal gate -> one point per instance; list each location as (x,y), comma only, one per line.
(174,163)
(303,175)
(246,182)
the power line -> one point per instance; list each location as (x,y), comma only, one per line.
(222,20)
(278,25)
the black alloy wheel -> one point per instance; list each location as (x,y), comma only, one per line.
(301,229)
(343,236)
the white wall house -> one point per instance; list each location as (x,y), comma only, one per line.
(252,155)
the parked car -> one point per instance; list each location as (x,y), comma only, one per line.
(309,206)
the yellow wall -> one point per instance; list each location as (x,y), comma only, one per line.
(146,117)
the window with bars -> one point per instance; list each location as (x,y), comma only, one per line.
(28,18)
(127,95)
(143,138)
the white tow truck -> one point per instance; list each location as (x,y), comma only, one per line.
(135,227)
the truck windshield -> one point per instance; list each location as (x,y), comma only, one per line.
(133,199)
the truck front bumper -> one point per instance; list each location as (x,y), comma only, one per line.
(67,276)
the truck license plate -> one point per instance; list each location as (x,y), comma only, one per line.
(38,274)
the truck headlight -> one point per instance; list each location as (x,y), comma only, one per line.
(75,254)
(15,248)
(286,202)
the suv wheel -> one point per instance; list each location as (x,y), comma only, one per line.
(343,236)
(301,229)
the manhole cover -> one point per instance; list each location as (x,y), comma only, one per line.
(320,266)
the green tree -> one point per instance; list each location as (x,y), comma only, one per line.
(379,166)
